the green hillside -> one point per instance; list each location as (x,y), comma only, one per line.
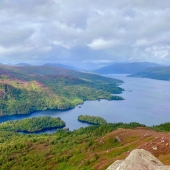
(90,148)
(160,73)
(64,150)
(27,89)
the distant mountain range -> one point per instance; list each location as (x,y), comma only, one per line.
(160,73)
(125,68)
(22,64)
(61,66)
(48,64)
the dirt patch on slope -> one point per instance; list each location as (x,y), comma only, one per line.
(158,143)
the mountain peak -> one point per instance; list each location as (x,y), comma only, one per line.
(22,64)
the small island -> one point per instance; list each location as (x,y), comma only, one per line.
(113,97)
(95,120)
(34,124)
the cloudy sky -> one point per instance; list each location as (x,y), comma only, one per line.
(59,31)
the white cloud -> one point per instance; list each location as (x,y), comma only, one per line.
(14,50)
(85,30)
(101,44)
(159,51)
(45,48)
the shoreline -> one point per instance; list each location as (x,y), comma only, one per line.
(98,99)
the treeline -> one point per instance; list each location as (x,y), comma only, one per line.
(162,127)
(32,124)
(96,120)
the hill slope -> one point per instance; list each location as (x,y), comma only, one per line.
(90,148)
(125,68)
(61,66)
(160,73)
(27,89)
(22,65)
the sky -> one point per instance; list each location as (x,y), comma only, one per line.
(82,31)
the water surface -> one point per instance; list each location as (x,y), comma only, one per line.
(146,101)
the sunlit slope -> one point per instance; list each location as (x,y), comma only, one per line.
(27,89)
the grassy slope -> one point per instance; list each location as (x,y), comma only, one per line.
(160,73)
(94,147)
(27,89)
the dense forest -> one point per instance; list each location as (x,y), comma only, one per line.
(27,89)
(96,120)
(32,124)
(160,73)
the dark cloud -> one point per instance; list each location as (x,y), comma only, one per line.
(38,31)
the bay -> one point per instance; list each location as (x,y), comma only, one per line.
(147,101)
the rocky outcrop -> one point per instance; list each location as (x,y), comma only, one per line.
(139,159)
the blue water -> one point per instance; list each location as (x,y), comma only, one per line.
(146,101)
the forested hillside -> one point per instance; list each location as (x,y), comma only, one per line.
(27,89)
(160,73)
(79,149)
(90,148)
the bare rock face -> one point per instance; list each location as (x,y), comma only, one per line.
(139,159)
